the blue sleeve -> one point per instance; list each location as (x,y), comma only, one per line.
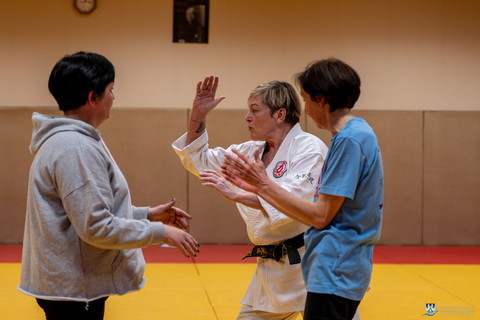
(342,168)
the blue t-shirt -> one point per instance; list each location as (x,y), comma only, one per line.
(338,258)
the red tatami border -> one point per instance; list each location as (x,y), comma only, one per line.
(12,253)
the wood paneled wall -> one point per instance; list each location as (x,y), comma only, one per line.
(431,163)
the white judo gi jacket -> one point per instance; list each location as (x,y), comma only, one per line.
(276,286)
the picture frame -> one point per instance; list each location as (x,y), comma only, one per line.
(191,21)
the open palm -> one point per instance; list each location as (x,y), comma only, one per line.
(205,100)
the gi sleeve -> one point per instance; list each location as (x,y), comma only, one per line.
(197,156)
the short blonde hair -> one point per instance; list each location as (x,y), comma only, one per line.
(277,95)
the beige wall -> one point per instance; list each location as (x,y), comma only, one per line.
(419,62)
(411,54)
(431,163)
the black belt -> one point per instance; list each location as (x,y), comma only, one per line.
(277,251)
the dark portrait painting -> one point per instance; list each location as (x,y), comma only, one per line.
(190,21)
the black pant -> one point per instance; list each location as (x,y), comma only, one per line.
(329,307)
(73,310)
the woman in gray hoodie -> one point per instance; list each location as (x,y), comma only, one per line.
(82,234)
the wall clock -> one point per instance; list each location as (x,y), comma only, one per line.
(85,6)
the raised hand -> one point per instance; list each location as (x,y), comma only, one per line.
(205,100)
(168,214)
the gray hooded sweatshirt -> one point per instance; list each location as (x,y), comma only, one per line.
(82,233)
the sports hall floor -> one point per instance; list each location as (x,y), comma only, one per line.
(210,287)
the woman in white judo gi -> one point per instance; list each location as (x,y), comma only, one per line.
(293,159)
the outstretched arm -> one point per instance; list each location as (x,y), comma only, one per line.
(251,176)
(203,103)
(168,214)
(215,180)
(176,222)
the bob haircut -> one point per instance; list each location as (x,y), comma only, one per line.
(277,95)
(332,79)
(76,75)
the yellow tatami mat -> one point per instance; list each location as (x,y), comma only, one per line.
(212,291)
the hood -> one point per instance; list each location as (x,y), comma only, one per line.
(45,126)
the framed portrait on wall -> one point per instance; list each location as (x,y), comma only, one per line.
(190,21)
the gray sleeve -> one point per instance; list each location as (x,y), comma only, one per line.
(99,216)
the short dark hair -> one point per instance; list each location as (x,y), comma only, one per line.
(277,95)
(76,75)
(332,79)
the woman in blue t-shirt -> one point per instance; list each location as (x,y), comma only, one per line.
(345,216)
